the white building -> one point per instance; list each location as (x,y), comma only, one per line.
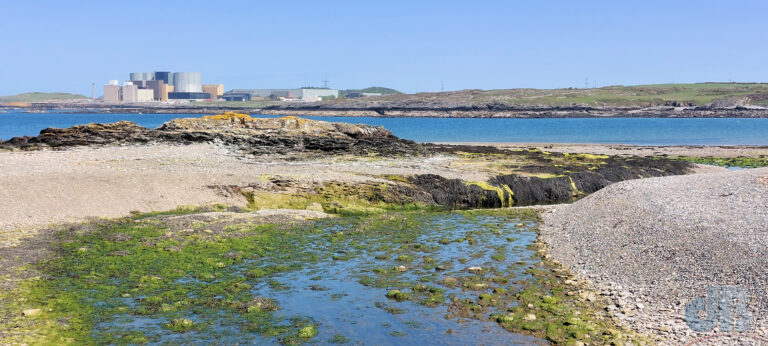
(145,95)
(312,95)
(130,92)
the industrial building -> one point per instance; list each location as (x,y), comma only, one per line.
(216,90)
(302,94)
(161,86)
(187,82)
(186,95)
(112,92)
(317,94)
(130,92)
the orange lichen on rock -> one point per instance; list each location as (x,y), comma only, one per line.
(229,116)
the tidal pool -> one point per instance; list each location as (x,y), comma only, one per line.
(426,278)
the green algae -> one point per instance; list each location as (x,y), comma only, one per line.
(740,161)
(209,279)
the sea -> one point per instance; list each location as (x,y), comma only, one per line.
(637,131)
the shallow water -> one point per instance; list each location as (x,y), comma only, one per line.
(346,299)
(639,131)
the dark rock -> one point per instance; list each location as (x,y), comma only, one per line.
(454,193)
(254,135)
(91,134)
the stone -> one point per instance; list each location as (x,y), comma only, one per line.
(530,317)
(31,312)
(315,207)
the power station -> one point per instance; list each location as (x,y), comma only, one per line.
(161,86)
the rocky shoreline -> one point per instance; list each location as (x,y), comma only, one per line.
(419,109)
(640,242)
(289,155)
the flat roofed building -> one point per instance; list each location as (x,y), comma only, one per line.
(130,93)
(111,93)
(216,90)
(312,94)
(182,95)
(269,93)
(145,95)
(238,97)
(160,90)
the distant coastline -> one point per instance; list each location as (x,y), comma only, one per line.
(395,110)
(698,100)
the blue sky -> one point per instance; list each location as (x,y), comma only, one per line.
(408,45)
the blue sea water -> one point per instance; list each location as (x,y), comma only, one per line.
(639,131)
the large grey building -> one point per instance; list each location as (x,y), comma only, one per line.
(142,76)
(187,82)
(166,77)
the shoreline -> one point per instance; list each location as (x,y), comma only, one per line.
(120,170)
(726,151)
(406,110)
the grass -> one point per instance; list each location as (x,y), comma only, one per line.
(40,97)
(741,161)
(698,94)
(694,94)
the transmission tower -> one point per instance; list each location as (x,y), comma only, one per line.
(325,83)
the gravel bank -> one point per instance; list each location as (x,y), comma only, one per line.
(653,245)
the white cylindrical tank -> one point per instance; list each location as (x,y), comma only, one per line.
(187,82)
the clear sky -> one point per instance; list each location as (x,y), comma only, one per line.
(408,45)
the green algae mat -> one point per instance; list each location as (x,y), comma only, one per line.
(472,277)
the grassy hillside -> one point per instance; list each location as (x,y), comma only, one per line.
(382,90)
(39,97)
(698,94)
(374,89)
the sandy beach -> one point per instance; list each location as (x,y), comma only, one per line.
(54,186)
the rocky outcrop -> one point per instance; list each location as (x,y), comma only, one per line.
(255,135)
(92,134)
(562,182)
